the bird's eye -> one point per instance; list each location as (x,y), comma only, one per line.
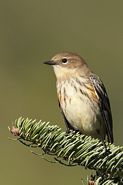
(64,61)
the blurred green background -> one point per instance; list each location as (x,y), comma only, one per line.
(32,31)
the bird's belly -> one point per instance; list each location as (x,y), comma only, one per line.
(81,114)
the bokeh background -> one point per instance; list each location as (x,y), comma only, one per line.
(32,31)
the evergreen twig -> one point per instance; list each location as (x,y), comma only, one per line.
(72,149)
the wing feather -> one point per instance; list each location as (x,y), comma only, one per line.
(104,105)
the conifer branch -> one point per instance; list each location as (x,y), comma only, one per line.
(72,149)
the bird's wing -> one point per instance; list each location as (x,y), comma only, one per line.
(104,105)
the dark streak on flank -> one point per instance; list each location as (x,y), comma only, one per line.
(74,86)
(78,81)
(59,96)
(84,93)
(65,96)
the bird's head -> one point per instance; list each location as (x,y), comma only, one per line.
(67,64)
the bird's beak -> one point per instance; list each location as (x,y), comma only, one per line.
(50,62)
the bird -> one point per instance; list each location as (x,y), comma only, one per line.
(82,97)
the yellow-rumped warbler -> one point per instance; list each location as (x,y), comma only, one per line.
(82,97)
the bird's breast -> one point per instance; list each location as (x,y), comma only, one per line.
(78,106)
